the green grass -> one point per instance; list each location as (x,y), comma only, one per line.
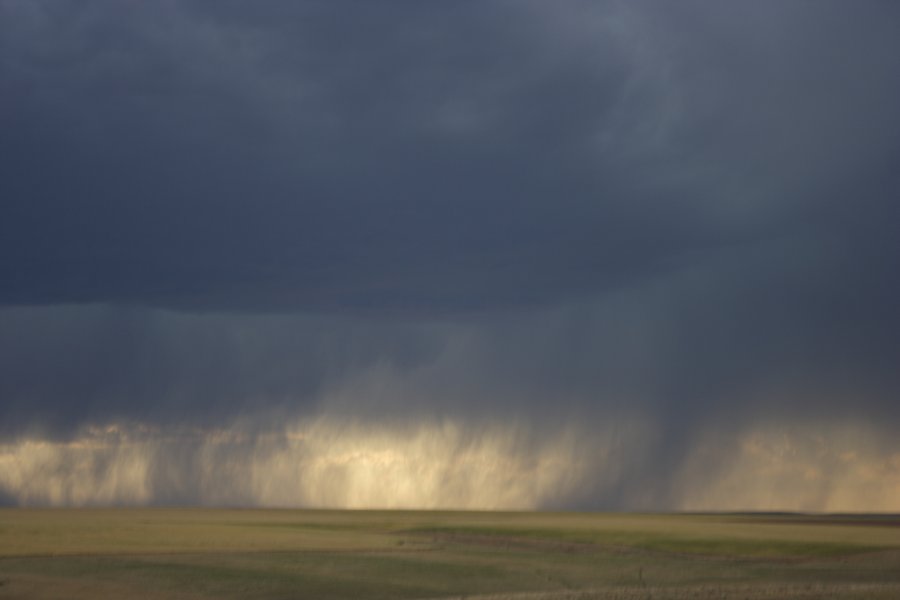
(196,553)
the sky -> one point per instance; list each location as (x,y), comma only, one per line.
(593,255)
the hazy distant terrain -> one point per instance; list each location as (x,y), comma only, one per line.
(195,553)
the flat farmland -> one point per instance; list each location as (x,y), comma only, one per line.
(218,553)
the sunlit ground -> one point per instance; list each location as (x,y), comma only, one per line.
(206,553)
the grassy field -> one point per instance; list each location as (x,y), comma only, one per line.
(197,553)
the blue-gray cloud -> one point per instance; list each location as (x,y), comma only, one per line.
(347,157)
(526,210)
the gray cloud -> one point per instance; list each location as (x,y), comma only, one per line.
(537,212)
(309,157)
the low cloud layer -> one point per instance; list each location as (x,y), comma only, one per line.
(528,220)
(451,465)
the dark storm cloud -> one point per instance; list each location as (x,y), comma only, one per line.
(352,156)
(525,211)
(64,367)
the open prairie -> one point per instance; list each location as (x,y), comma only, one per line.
(199,553)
